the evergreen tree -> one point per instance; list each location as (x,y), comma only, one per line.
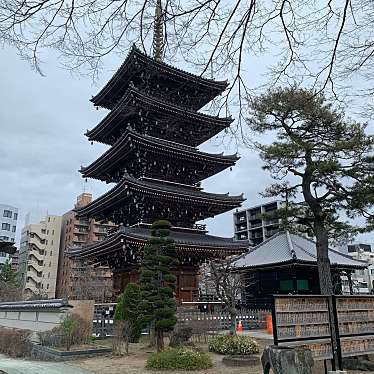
(127,309)
(323,163)
(7,274)
(157,283)
(10,288)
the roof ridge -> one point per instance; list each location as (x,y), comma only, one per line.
(290,245)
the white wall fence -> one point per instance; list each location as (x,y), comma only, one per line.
(36,316)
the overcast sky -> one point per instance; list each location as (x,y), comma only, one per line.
(42,145)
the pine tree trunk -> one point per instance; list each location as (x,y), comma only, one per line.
(159,340)
(323,262)
(325,279)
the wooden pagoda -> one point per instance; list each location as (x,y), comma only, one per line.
(153,129)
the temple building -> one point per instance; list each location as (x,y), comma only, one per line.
(153,129)
(286,263)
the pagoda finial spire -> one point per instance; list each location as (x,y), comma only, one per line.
(158,33)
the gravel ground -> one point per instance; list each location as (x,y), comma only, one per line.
(135,362)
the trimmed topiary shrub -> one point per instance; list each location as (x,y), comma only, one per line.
(233,345)
(179,359)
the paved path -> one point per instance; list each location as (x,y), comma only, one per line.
(18,366)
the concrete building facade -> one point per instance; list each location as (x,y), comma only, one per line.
(8,226)
(249,224)
(77,280)
(362,280)
(39,256)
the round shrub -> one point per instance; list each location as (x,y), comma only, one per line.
(181,358)
(233,345)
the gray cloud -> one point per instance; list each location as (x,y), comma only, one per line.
(42,122)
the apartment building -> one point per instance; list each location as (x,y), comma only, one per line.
(249,224)
(8,226)
(362,280)
(39,256)
(77,280)
(14,260)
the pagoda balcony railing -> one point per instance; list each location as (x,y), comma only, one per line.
(199,226)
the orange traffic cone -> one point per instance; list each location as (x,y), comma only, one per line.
(269,324)
(239,328)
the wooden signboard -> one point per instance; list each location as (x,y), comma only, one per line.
(305,321)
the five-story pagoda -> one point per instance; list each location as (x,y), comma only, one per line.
(153,130)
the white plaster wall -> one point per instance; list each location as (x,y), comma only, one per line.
(31,320)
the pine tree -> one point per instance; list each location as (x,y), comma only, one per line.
(157,283)
(323,163)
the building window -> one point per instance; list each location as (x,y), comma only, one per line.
(14,229)
(43,231)
(372,271)
(5,226)
(5,238)
(7,213)
(47,286)
(302,285)
(286,285)
(12,240)
(15,216)
(50,253)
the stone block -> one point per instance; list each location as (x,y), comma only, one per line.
(287,360)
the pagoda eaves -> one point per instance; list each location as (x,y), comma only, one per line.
(175,84)
(190,243)
(156,117)
(134,200)
(143,155)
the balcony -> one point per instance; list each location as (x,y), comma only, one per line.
(80,238)
(82,222)
(255,225)
(255,216)
(80,230)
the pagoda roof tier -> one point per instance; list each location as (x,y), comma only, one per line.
(165,120)
(186,243)
(148,149)
(133,200)
(142,70)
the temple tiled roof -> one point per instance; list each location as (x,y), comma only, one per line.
(196,241)
(286,248)
(130,68)
(180,116)
(119,152)
(159,190)
(35,305)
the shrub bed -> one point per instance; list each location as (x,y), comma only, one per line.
(15,343)
(56,337)
(233,345)
(180,358)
